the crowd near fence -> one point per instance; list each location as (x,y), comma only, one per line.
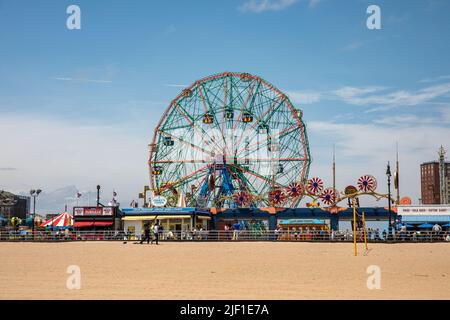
(232,235)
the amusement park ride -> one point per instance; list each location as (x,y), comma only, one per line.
(233,140)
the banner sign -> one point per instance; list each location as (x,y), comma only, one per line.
(93,211)
(159,201)
(423,210)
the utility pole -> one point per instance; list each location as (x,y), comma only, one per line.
(388,174)
(397,178)
(334,172)
(442,182)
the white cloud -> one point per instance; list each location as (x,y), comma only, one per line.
(53,153)
(314,3)
(81,80)
(304,97)
(435,79)
(439,117)
(176,85)
(258,6)
(376,96)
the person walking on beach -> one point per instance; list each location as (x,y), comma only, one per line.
(436,231)
(156,232)
(236,228)
(227,230)
(384,235)
(146,234)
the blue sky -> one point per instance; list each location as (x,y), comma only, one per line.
(79,106)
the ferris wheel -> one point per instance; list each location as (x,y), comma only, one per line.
(230,140)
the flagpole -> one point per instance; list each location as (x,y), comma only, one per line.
(397,178)
(334,170)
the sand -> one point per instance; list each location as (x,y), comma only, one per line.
(224,270)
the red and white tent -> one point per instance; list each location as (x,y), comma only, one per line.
(61,220)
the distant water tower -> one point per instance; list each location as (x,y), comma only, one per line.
(442,180)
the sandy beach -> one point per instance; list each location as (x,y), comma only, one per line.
(246,270)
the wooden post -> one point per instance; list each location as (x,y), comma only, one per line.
(365,233)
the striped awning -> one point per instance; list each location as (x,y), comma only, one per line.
(62,220)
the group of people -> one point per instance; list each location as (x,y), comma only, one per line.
(151,232)
(302,233)
(236,227)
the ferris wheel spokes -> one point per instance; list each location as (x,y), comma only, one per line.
(226,133)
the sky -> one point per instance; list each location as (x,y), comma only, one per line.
(78,107)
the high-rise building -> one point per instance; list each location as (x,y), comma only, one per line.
(12,205)
(435,180)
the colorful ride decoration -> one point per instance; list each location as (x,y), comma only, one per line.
(226,134)
(349,190)
(367,183)
(329,196)
(277,197)
(405,201)
(242,199)
(295,189)
(29,221)
(315,186)
(16,221)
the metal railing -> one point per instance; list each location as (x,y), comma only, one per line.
(221,235)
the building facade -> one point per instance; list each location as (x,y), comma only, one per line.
(97,218)
(12,205)
(432,190)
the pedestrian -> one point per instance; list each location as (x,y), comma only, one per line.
(146,234)
(436,231)
(403,232)
(236,228)
(447,237)
(226,228)
(156,232)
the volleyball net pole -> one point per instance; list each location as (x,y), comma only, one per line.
(365,232)
(354,226)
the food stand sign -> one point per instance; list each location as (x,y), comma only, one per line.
(159,201)
(93,211)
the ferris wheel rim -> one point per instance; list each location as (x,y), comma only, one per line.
(254,78)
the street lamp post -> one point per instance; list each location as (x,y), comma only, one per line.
(388,174)
(34,194)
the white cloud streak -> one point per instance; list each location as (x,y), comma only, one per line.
(435,79)
(304,97)
(258,6)
(81,80)
(53,153)
(314,3)
(380,98)
(176,85)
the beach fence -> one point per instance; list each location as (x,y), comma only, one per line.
(221,235)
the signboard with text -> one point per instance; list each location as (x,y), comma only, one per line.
(93,211)
(423,210)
